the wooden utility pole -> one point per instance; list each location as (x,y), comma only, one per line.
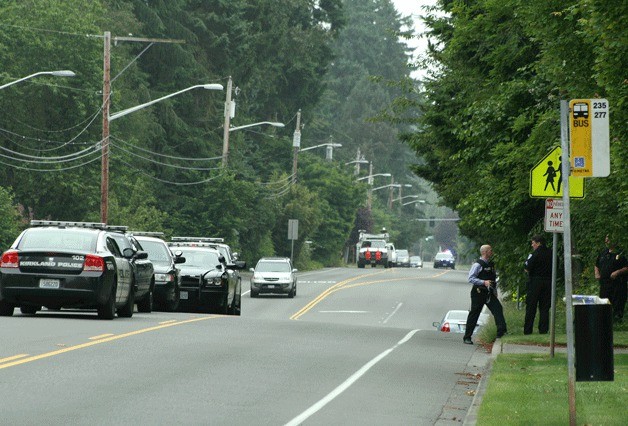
(106,95)
(225,134)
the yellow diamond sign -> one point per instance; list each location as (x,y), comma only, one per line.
(546,178)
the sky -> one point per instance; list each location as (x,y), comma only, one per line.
(414,8)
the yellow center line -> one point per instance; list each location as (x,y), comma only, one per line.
(11,358)
(97,342)
(101,336)
(342,285)
(168,322)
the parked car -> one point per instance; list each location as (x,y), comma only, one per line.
(455,322)
(274,275)
(76,265)
(444,260)
(167,276)
(208,282)
(416,262)
(403,258)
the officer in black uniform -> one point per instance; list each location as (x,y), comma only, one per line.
(611,270)
(539,288)
(483,278)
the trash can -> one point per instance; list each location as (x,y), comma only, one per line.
(594,339)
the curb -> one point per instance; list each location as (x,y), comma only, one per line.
(472,414)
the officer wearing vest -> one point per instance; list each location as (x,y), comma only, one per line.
(482,277)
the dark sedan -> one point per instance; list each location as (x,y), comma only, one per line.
(68,265)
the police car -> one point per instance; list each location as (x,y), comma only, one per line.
(77,265)
(167,274)
(208,282)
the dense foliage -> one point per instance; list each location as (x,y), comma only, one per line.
(500,69)
(165,168)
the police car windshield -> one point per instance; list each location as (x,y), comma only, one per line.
(200,258)
(58,239)
(157,252)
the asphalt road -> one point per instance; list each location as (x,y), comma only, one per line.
(355,346)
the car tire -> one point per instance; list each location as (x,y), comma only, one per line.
(360,265)
(107,311)
(146,304)
(292,293)
(126,311)
(6,309)
(172,305)
(30,309)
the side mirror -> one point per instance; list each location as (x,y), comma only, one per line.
(436,324)
(295,270)
(179,259)
(252,269)
(141,255)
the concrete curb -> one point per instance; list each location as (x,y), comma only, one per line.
(472,414)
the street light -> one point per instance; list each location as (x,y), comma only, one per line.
(407,196)
(104,188)
(370,177)
(62,73)
(414,202)
(270,123)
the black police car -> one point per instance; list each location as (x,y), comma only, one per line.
(72,265)
(167,274)
(208,282)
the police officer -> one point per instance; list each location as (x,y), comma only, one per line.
(611,270)
(482,277)
(539,287)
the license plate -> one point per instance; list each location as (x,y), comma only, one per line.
(183,295)
(48,283)
(271,286)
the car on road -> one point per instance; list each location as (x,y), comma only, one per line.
(403,258)
(373,252)
(274,275)
(75,265)
(208,282)
(455,321)
(444,260)
(166,275)
(416,262)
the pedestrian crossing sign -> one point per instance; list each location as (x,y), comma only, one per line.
(546,180)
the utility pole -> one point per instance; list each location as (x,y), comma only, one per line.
(329,149)
(106,95)
(104,161)
(369,199)
(296,145)
(390,192)
(225,135)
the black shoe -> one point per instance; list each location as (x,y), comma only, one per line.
(467,340)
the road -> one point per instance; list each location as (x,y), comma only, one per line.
(355,346)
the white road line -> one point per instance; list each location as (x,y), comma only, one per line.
(393,313)
(347,383)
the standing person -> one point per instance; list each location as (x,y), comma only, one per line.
(611,270)
(539,287)
(483,278)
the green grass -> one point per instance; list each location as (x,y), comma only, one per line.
(531,389)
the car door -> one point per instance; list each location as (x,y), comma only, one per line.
(124,271)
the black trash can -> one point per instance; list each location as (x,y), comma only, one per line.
(594,343)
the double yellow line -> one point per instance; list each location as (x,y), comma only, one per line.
(345,285)
(12,361)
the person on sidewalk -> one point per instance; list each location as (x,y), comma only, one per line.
(483,277)
(611,270)
(539,287)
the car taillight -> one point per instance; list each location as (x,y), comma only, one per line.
(367,255)
(445,327)
(94,263)
(378,255)
(10,259)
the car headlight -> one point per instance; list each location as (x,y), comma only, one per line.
(164,277)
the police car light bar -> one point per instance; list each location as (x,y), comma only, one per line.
(191,244)
(117,228)
(199,239)
(94,225)
(147,233)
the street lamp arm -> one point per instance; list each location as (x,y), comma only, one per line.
(270,123)
(414,202)
(377,174)
(62,73)
(138,107)
(392,185)
(407,196)
(333,145)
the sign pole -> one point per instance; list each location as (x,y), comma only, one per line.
(566,166)
(553,311)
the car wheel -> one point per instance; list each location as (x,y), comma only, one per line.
(361,265)
(146,304)
(6,309)
(108,309)
(222,306)
(292,293)
(126,311)
(30,309)
(172,305)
